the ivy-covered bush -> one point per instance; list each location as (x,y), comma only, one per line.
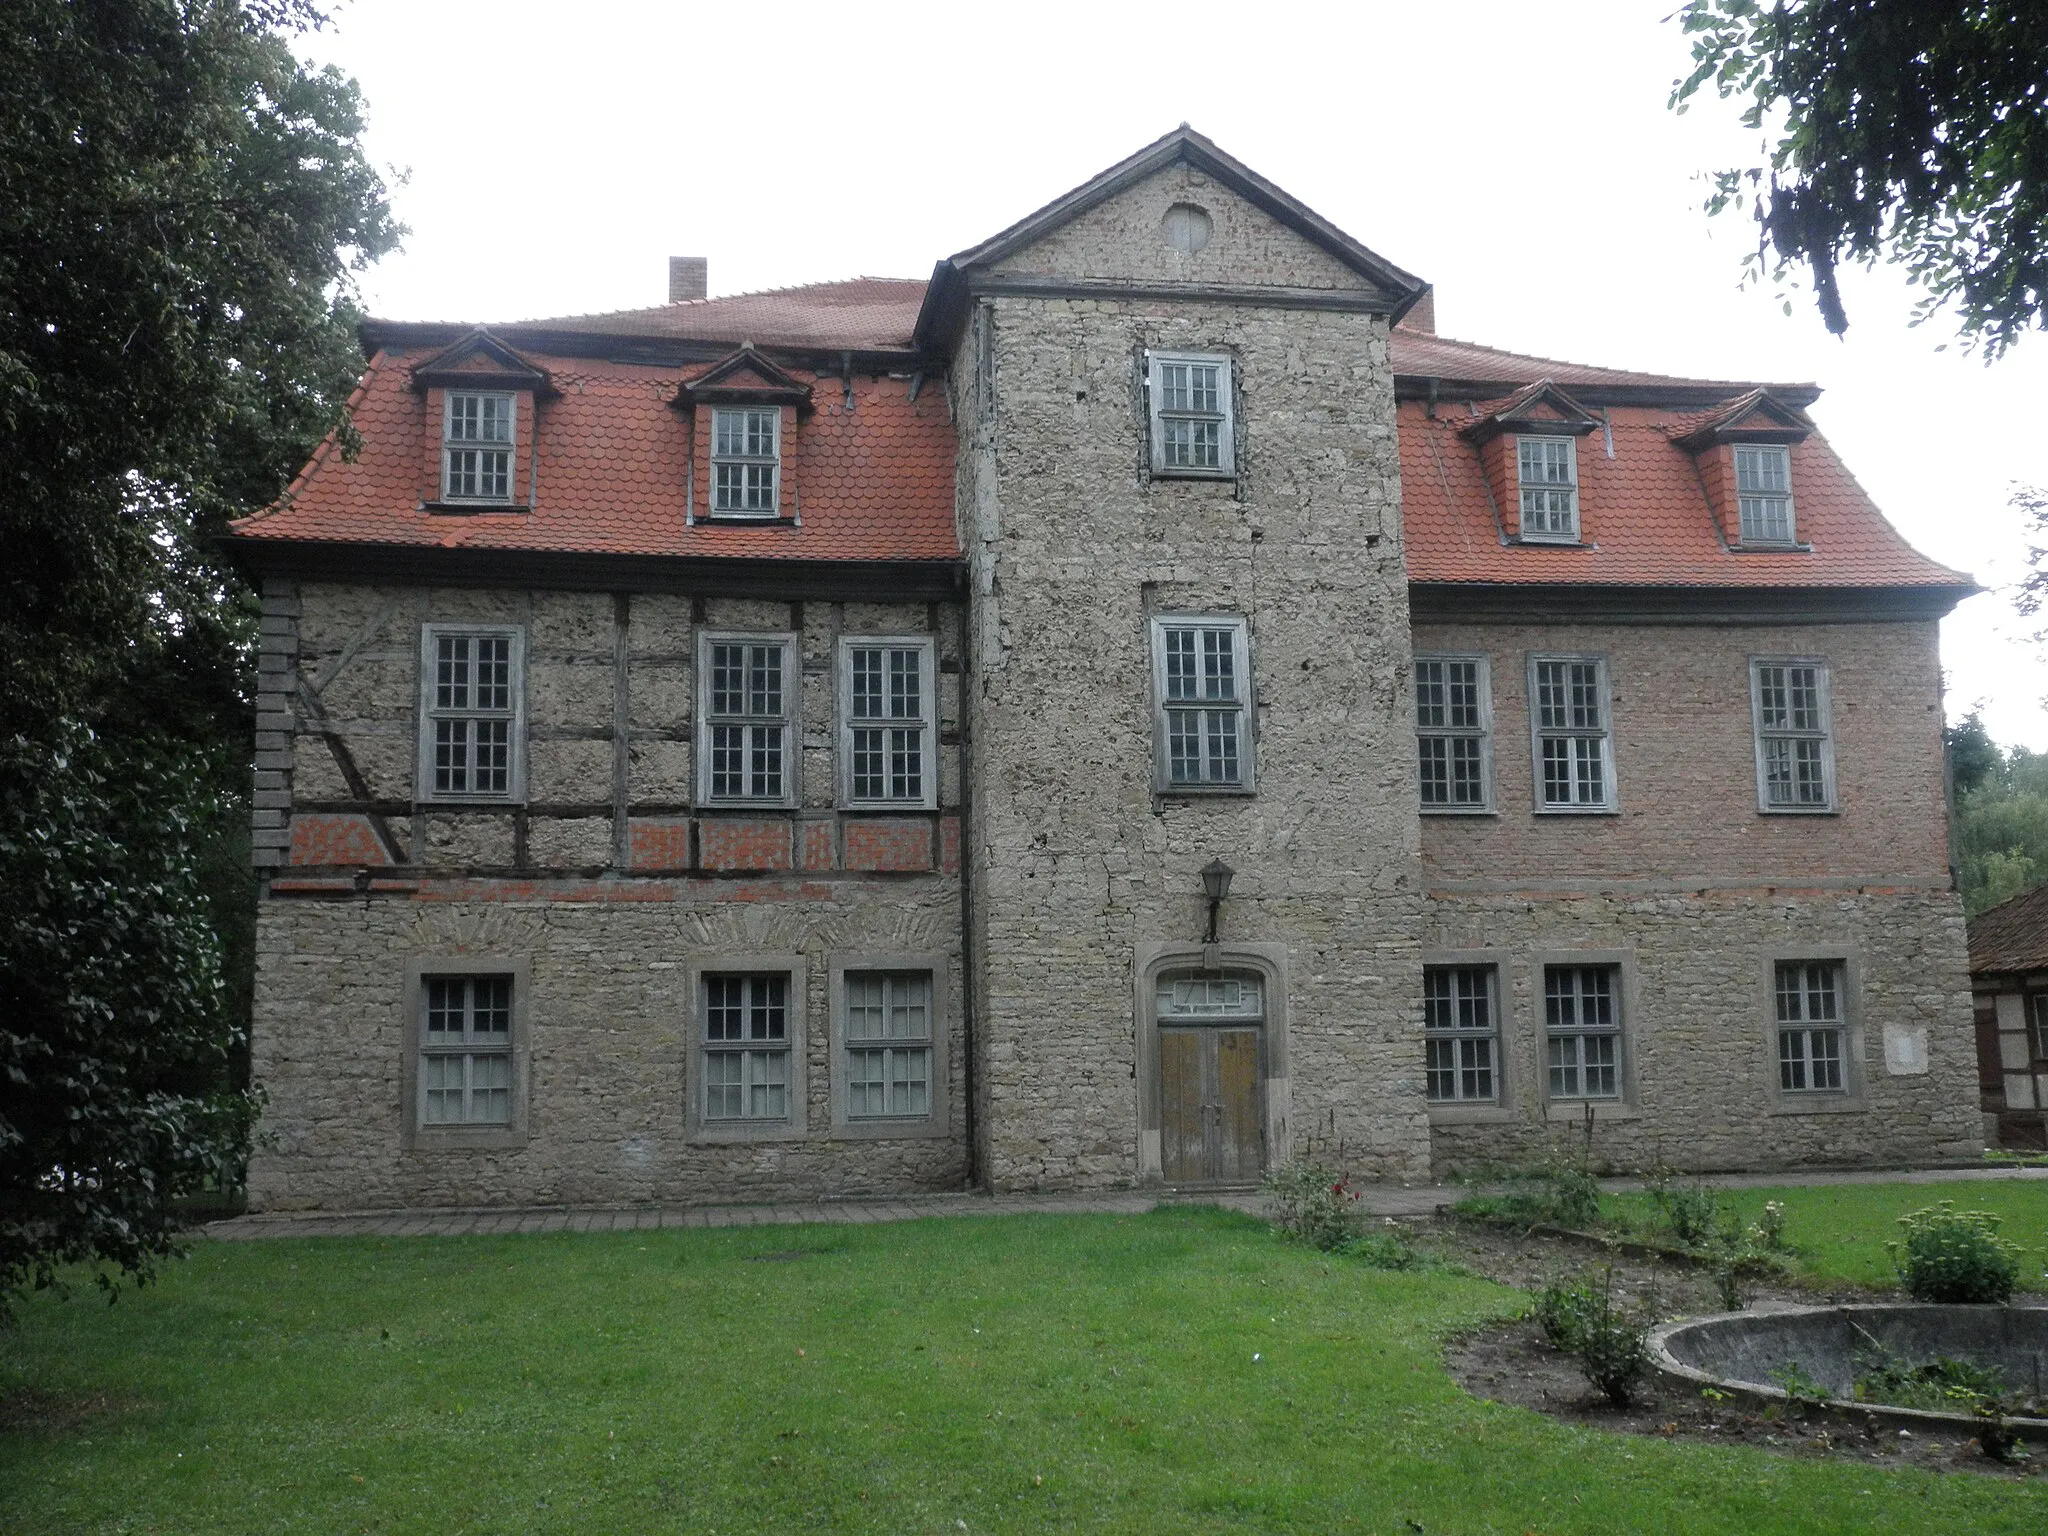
(1313,1204)
(1949,1255)
(1562,1308)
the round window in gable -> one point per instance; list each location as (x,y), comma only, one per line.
(1187,228)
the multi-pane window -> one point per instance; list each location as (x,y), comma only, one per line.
(1461,1036)
(1582,1024)
(2038,1004)
(1809,995)
(746,1048)
(1763,493)
(470,708)
(476,447)
(745,457)
(1191,414)
(1548,469)
(888,1045)
(466,1051)
(1453,716)
(1574,744)
(1204,690)
(886,712)
(749,691)
(1794,757)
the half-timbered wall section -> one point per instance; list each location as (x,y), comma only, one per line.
(795,744)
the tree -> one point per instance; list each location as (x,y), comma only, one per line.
(183,210)
(1914,129)
(2001,816)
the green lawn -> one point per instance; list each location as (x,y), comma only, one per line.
(1181,1371)
(1839,1230)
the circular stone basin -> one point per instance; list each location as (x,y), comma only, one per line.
(1738,1352)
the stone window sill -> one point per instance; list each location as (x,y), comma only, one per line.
(1567,1111)
(1471,1114)
(1820,1104)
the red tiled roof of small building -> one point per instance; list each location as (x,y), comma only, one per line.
(874,482)
(2012,936)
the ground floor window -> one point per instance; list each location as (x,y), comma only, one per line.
(466,1051)
(746,1048)
(888,1045)
(1582,1018)
(1809,998)
(1461,1034)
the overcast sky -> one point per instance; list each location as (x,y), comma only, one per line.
(1520,157)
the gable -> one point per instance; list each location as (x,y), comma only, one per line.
(1127,237)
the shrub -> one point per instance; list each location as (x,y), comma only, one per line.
(1386,1247)
(1769,1230)
(1312,1204)
(1562,1308)
(1955,1256)
(1693,1213)
(1614,1348)
(1945,1383)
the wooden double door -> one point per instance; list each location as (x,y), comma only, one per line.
(1212,1126)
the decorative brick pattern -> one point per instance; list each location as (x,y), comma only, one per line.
(730,843)
(335,839)
(663,844)
(817,845)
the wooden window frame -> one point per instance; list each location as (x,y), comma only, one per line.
(795,970)
(1526,488)
(416,1133)
(1488,1035)
(1744,536)
(924,723)
(772,461)
(1539,733)
(1824,734)
(1851,1096)
(1223,417)
(789,720)
(432,713)
(1481,733)
(452,445)
(1578,1030)
(1163,707)
(938,1120)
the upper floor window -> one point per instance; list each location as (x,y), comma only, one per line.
(746,455)
(1453,728)
(747,707)
(476,447)
(1763,492)
(886,711)
(1191,417)
(1795,766)
(472,699)
(1574,744)
(1548,469)
(1202,682)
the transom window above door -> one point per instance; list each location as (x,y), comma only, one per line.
(1211,997)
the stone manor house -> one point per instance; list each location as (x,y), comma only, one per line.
(1127,710)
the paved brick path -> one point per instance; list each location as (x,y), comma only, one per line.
(1377,1200)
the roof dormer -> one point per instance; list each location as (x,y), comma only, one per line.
(1529,447)
(743,416)
(480,397)
(1744,452)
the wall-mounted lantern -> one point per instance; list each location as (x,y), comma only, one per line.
(1216,885)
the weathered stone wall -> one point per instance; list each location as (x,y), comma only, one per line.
(605,884)
(1075,862)
(611,1025)
(1696,894)
(1699,1033)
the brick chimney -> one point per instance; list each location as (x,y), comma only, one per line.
(689,277)
(1422,317)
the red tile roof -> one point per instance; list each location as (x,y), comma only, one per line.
(1644,516)
(864,314)
(2012,936)
(875,482)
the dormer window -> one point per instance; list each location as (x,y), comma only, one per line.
(1763,489)
(1549,474)
(745,457)
(476,447)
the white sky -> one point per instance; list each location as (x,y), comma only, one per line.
(1518,156)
